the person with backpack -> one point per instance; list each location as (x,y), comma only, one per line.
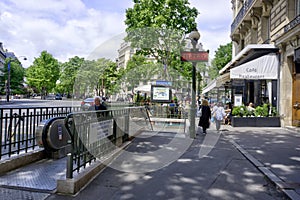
(219,114)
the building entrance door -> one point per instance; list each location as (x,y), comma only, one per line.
(296,96)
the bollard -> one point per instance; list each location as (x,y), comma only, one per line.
(69,173)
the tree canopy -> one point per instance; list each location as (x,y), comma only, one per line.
(44,73)
(68,73)
(223,55)
(157,28)
(17,74)
(96,78)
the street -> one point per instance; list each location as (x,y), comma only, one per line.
(23,103)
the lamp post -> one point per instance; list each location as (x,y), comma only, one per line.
(194,36)
(194,56)
(8,76)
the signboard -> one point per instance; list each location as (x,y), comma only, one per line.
(165,83)
(100,130)
(238,100)
(161,94)
(265,67)
(194,56)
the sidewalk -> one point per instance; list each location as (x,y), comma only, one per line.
(211,167)
(274,151)
(235,163)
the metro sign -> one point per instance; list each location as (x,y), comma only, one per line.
(194,56)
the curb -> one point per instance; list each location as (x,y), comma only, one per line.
(293,129)
(280,184)
(20,160)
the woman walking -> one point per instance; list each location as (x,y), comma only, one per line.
(218,114)
(204,121)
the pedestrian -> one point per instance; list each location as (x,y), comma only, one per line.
(228,112)
(218,114)
(98,105)
(214,108)
(251,108)
(171,108)
(204,121)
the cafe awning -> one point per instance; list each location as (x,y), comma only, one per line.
(264,67)
(250,52)
(219,82)
(210,86)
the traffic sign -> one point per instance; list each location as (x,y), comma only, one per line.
(194,56)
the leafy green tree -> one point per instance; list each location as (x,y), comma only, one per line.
(137,69)
(43,74)
(68,73)
(17,74)
(156,28)
(96,78)
(223,55)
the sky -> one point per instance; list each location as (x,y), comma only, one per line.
(68,28)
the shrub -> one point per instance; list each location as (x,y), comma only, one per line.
(239,111)
(262,111)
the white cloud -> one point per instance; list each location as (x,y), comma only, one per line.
(80,27)
(63,28)
(214,23)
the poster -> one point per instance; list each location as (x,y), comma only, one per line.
(160,94)
(238,100)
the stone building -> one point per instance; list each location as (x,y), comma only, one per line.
(265,67)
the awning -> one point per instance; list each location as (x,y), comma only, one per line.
(265,67)
(250,52)
(220,81)
(223,79)
(210,86)
(143,88)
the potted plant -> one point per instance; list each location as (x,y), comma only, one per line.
(261,117)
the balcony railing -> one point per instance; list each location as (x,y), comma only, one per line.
(292,24)
(240,16)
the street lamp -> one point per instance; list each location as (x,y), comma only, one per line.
(194,36)
(8,76)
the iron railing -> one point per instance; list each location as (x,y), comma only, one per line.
(292,24)
(240,16)
(97,134)
(18,126)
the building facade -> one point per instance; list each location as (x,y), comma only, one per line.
(265,64)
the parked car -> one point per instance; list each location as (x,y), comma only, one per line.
(58,97)
(50,97)
(86,103)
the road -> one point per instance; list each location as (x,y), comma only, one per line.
(18,103)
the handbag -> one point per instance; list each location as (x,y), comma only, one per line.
(199,112)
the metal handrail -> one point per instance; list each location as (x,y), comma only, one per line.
(79,125)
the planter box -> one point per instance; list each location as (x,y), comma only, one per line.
(255,121)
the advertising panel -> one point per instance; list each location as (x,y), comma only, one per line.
(161,94)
